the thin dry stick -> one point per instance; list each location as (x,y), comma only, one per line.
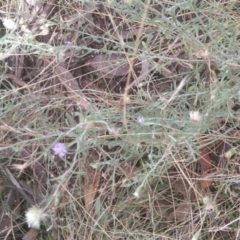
(131,62)
(17,185)
(179,88)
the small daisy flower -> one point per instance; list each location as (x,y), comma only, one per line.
(60,149)
(140,120)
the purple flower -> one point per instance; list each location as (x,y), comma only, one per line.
(59,149)
(68,43)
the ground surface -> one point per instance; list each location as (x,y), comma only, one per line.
(120,119)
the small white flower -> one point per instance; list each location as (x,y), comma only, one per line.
(34,216)
(195,116)
(9,24)
(136,195)
(140,120)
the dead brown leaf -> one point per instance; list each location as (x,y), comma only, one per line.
(71,84)
(3,181)
(207,181)
(205,159)
(181,213)
(111,66)
(16,184)
(16,81)
(91,187)
(91,181)
(129,171)
(219,150)
(40,185)
(183,186)
(161,208)
(26,153)
(31,234)
(5,222)
(6,218)
(206,164)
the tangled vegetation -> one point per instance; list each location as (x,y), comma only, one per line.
(119,119)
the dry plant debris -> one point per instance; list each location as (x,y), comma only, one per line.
(120,119)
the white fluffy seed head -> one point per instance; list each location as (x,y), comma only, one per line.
(34,216)
(195,116)
(9,24)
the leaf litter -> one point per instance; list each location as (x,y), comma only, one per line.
(82,54)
